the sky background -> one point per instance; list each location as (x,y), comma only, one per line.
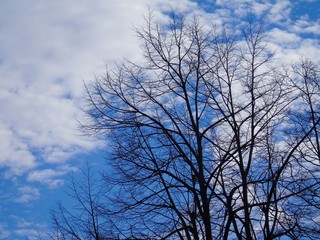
(48,49)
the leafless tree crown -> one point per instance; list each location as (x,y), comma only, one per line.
(210,139)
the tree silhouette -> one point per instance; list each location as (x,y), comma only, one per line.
(84,220)
(210,138)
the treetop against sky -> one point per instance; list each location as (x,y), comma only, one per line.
(47,51)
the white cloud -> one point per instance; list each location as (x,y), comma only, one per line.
(30,234)
(47,49)
(305,25)
(309,48)
(15,152)
(260,8)
(284,38)
(277,12)
(27,194)
(280,11)
(178,5)
(50,177)
(27,229)
(287,37)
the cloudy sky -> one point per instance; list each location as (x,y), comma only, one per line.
(48,49)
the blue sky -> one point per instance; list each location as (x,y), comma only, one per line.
(47,50)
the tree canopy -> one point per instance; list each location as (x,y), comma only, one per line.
(210,138)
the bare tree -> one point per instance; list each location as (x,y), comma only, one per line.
(209,139)
(84,219)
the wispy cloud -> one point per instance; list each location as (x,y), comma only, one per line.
(26,229)
(284,38)
(31,234)
(305,25)
(50,177)
(47,50)
(280,11)
(27,194)
(15,153)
